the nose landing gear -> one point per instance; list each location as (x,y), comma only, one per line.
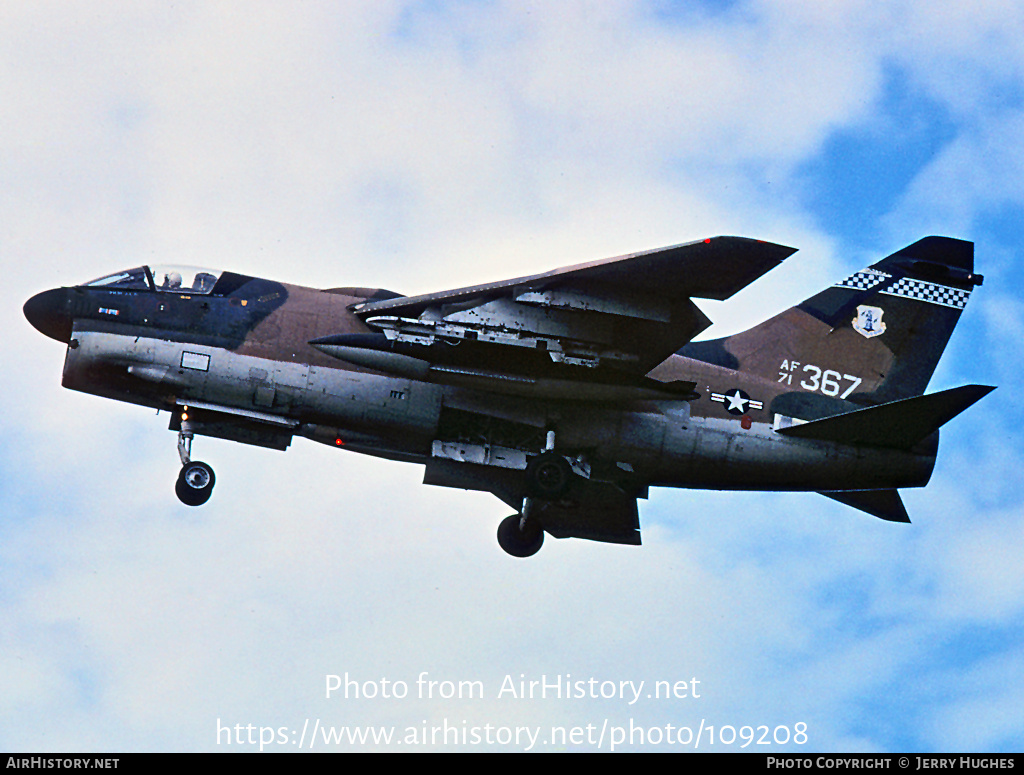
(195,481)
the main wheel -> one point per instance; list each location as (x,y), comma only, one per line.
(548,475)
(195,483)
(520,542)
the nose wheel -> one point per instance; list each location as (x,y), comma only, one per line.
(195,481)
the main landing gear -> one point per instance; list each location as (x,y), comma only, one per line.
(195,481)
(548,478)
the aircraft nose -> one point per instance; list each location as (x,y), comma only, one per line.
(50,313)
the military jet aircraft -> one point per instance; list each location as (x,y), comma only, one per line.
(566,394)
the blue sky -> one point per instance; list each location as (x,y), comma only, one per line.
(421,146)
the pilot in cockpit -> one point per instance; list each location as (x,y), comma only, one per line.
(172,281)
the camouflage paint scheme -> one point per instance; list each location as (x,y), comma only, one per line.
(566,394)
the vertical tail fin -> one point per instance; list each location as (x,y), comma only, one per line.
(872,338)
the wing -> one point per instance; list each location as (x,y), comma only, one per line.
(605,323)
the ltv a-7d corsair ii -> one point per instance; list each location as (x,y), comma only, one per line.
(566,394)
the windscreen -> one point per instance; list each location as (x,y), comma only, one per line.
(129,278)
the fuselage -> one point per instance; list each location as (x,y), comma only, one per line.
(238,348)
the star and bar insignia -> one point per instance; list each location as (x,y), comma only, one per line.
(736,401)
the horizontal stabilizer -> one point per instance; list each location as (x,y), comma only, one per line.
(884,504)
(898,424)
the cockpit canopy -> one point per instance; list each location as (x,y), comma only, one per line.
(173,279)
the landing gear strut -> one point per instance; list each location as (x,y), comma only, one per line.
(549,476)
(195,481)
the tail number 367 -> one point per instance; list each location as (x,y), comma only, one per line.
(829,382)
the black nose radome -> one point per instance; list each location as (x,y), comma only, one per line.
(49,312)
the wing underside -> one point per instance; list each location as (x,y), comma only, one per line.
(624,314)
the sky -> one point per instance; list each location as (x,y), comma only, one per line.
(419,146)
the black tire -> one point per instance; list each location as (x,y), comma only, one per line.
(520,543)
(195,483)
(548,475)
